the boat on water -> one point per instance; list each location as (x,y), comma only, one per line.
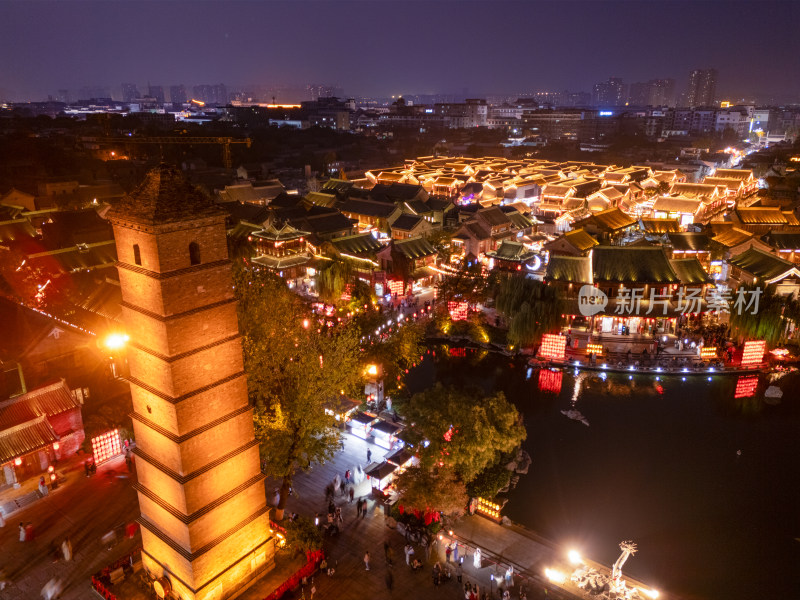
(575,415)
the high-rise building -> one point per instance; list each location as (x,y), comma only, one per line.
(177,94)
(656,92)
(157,92)
(702,87)
(129,92)
(204,514)
(318,90)
(609,93)
(211,94)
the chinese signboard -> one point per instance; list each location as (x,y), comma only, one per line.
(553,346)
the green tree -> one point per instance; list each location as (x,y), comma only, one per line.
(464,429)
(531,307)
(302,536)
(771,321)
(293,372)
(437,489)
(468,284)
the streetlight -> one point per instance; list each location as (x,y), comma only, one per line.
(115,341)
(574,557)
(491,577)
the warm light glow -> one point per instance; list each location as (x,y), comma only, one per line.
(650,593)
(306,323)
(779,352)
(115,341)
(709,352)
(746,386)
(372,370)
(594,348)
(18,461)
(56,446)
(575,557)
(458,310)
(106,446)
(753,353)
(553,346)
(555,576)
(550,381)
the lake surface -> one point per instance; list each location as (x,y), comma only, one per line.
(705,482)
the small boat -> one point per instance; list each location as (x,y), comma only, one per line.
(575,415)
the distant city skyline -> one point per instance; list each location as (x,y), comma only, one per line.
(388,48)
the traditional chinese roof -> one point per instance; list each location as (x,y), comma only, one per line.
(413,248)
(764,215)
(612,219)
(48,401)
(569,269)
(406,222)
(369,208)
(278,263)
(740,174)
(399,457)
(761,264)
(511,251)
(25,437)
(580,239)
(728,183)
(694,190)
(77,258)
(285,233)
(493,216)
(660,225)
(357,245)
(733,236)
(677,205)
(784,240)
(689,241)
(16,230)
(165,196)
(690,271)
(628,264)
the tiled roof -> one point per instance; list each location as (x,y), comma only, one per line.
(287,232)
(282,262)
(660,225)
(690,271)
(24,438)
(580,239)
(357,245)
(369,208)
(569,269)
(766,215)
(741,174)
(513,251)
(693,189)
(14,230)
(761,264)
(48,400)
(406,222)
(733,237)
(413,248)
(493,216)
(625,264)
(613,219)
(784,240)
(77,258)
(327,223)
(689,241)
(164,196)
(677,204)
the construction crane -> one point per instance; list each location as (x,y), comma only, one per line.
(225,141)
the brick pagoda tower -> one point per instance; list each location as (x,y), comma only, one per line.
(204,516)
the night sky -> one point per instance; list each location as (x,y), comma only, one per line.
(381,48)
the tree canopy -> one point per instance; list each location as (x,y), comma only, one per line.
(465,430)
(294,373)
(432,490)
(531,307)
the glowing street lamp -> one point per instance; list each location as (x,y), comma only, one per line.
(555,576)
(115,341)
(574,557)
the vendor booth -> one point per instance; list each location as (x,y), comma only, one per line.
(360,424)
(385,433)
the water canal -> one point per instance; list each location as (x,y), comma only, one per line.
(702,474)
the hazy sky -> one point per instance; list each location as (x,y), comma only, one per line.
(383,47)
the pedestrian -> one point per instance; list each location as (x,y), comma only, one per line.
(43,487)
(459,572)
(313,588)
(364,508)
(358,508)
(4,581)
(369,455)
(447,552)
(86,467)
(128,460)
(352,494)
(21,531)
(339,515)
(366,560)
(341,487)
(436,573)
(331,507)
(52,589)
(347,476)
(66,549)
